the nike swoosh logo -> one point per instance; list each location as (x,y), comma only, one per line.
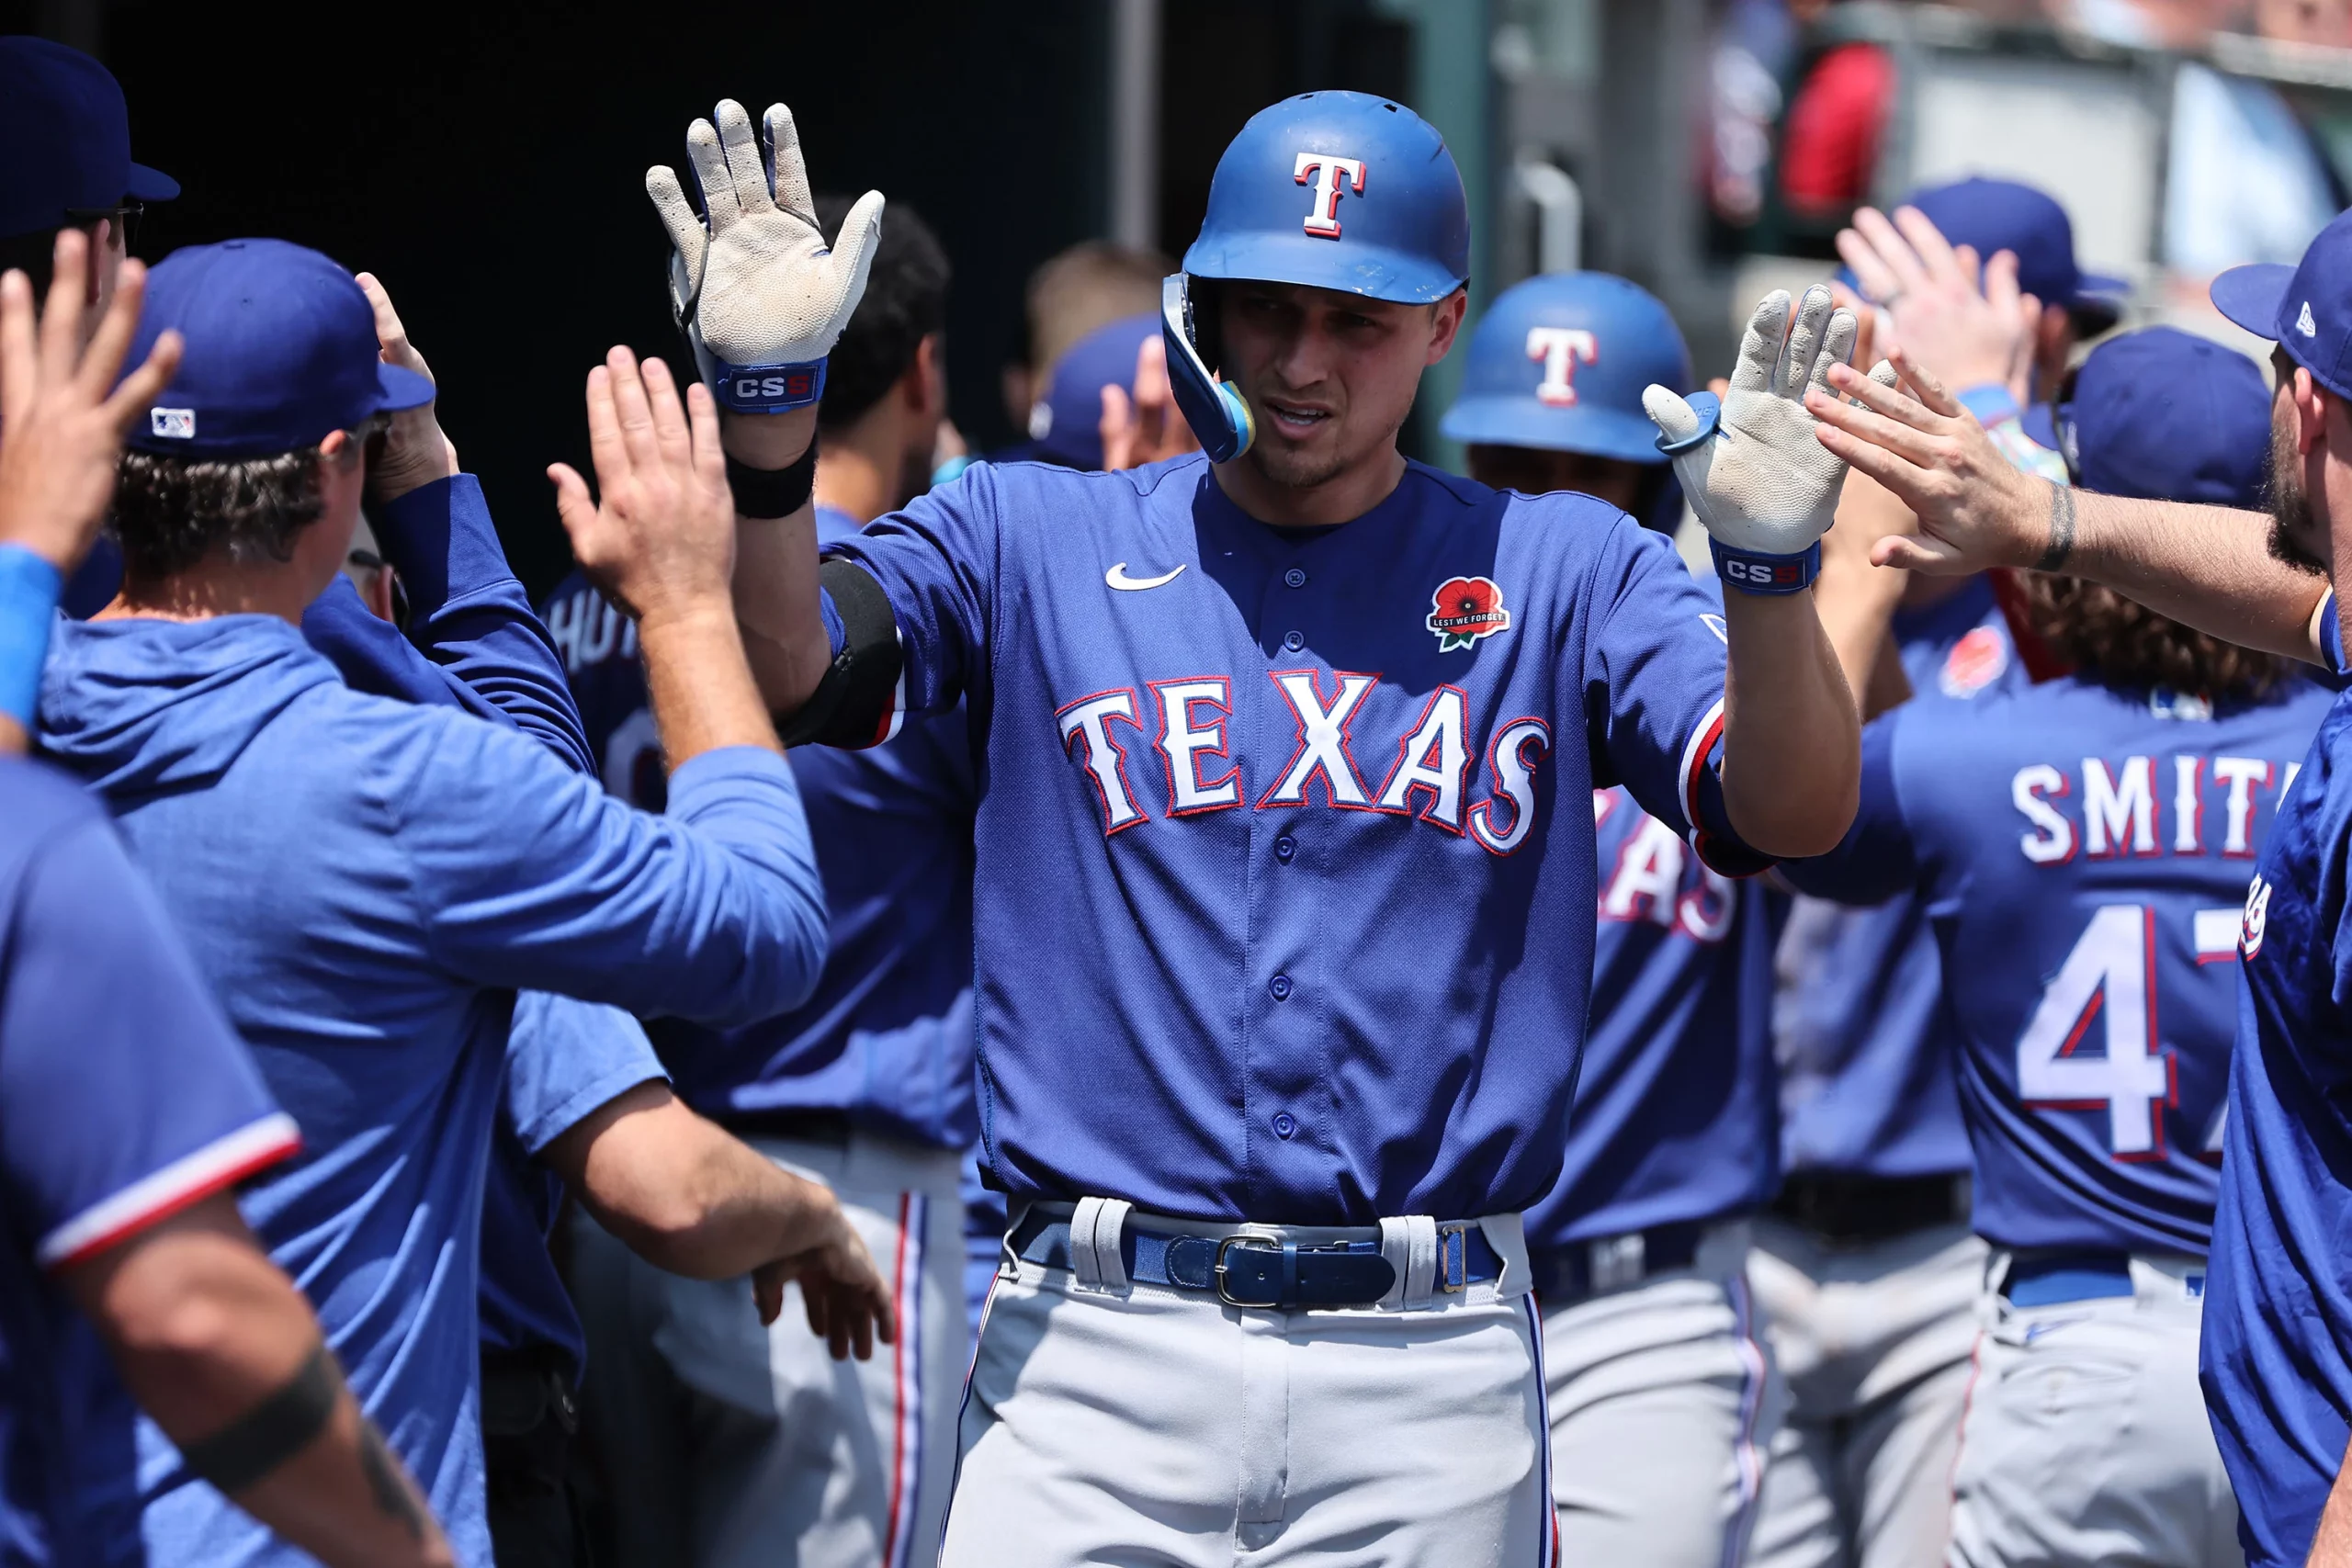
(1117,578)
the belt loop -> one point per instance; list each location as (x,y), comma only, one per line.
(1410,1246)
(1507,1236)
(1095,1228)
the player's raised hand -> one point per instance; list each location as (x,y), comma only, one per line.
(61,416)
(1145,427)
(1975,509)
(1965,319)
(751,282)
(417,452)
(847,1301)
(1757,478)
(660,537)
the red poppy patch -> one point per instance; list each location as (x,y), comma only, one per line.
(1974,663)
(1464,609)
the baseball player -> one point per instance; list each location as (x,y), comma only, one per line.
(129,1108)
(1867,1270)
(743,1437)
(2079,845)
(1284,749)
(2279,1308)
(365,881)
(1656,1375)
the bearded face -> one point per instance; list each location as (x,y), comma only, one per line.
(2294,532)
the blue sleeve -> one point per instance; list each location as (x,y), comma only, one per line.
(936,562)
(372,655)
(565,1058)
(1653,677)
(470,615)
(125,1096)
(529,875)
(1878,857)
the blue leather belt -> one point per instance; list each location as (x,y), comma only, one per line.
(2051,1278)
(1264,1273)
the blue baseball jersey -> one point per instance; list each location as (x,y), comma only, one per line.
(564,1060)
(2082,852)
(887,1036)
(1286,874)
(2276,1352)
(124,1097)
(1675,1117)
(1866,1048)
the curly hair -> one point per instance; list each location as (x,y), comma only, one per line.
(171,512)
(2124,643)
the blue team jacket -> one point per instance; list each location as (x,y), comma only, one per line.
(366,883)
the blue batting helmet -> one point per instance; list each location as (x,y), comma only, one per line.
(1559,362)
(1331,190)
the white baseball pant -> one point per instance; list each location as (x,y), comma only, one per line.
(2086,1438)
(1662,1401)
(1111,1422)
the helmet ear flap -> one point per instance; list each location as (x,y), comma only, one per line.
(1215,409)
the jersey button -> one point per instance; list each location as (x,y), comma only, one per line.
(1294,640)
(1286,1124)
(1286,847)
(1280,987)
(1295,577)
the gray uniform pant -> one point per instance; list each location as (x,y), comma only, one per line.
(728,1444)
(1110,1422)
(1874,1343)
(1662,1401)
(2086,1438)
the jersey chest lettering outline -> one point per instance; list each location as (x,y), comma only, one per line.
(1187,721)
(2124,811)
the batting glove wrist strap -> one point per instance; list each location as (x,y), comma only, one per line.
(29,586)
(1752,571)
(758,388)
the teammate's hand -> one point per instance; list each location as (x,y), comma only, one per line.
(1763,483)
(1969,323)
(659,538)
(1974,508)
(847,1301)
(1146,427)
(752,281)
(61,416)
(415,450)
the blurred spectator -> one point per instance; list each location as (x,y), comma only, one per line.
(1087,285)
(1829,143)
(1756,48)
(2246,183)
(1066,427)
(2184,24)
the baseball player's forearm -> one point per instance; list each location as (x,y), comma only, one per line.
(1792,769)
(216,1344)
(2332,1546)
(775,568)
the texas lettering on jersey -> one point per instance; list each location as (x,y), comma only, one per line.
(1185,722)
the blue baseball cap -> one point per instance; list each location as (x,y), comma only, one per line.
(1559,362)
(2305,309)
(67,136)
(281,351)
(2163,415)
(2003,215)
(1066,424)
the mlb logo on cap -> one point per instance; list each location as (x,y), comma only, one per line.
(176,425)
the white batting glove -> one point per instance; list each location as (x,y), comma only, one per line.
(758,294)
(1759,478)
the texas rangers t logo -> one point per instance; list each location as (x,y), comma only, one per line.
(1559,348)
(1323,218)
(1464,610)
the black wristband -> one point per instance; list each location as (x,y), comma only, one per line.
(774,492)
(272,1432)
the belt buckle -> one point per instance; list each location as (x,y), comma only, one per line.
(1452,1259)
(1256,1244)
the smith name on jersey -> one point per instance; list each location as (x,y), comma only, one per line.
(1285,900)
(2084,851)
